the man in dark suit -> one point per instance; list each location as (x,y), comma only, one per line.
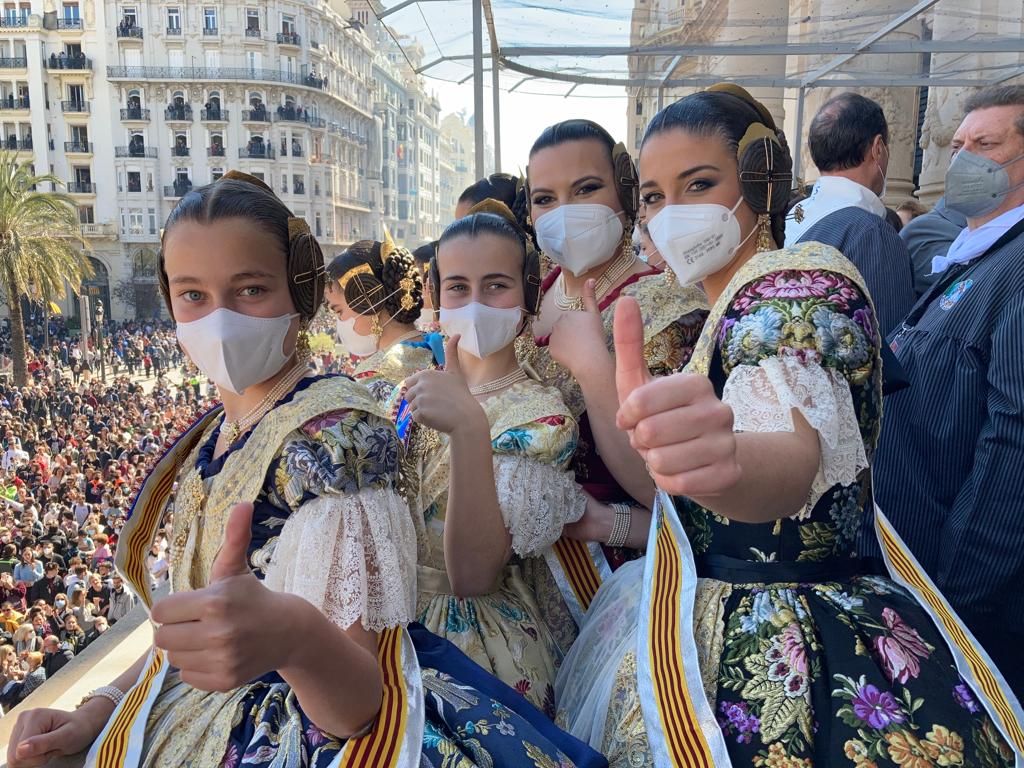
(930,235)
(848,139)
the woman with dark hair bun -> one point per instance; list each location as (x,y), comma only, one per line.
(751,633)
(376,291)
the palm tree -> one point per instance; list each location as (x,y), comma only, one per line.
(41,247)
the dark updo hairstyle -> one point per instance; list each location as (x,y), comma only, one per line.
(494,217)
(425,253)
(627,184)
(375,276)
(762,154)
(238,195)
(506,189)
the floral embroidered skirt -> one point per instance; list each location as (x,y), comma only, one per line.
(472,720)
(799,675)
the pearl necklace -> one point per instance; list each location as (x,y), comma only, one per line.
(505,381)
(232,430)
(618,267)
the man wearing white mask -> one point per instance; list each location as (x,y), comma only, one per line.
(849,143)
(948,464)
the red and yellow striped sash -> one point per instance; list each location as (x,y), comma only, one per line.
(112,750)
(576,563)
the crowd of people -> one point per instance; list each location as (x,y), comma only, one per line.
(645,462)
(75,450)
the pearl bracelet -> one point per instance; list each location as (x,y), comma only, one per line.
(109,692)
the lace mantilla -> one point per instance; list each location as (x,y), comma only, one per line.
(352,556)
(536,501)
(763,397)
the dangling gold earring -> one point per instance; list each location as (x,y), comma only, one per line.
(526,346)
(376,329)
(764,233)
(303,353)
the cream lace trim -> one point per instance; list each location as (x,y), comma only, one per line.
(536,501)
(763,397)
(352,556)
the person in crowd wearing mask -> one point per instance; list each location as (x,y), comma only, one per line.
(121,600)
(376,293)
(320,468)
(55,655)
(849,143)
(948,465)
(583,201)
(750,634)
(98,628)
(648,250)
(80,607)
(48,587)
(30,569)
(493,453)
(428,317)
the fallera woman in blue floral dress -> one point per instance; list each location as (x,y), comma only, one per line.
(751,634)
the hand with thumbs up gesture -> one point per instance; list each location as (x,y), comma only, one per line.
(209,634)
(578,341)
(441,400)
(683,431)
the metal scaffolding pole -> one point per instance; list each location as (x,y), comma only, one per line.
(478,85)
(492,34)
(798,140)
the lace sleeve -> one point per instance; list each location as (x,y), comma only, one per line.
(536,501)
(353,556)
(763,397)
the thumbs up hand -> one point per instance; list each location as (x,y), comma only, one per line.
(441,400)
(577,340)
(680,427)
(217,636)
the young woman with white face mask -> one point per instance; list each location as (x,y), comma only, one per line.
(325,543)
(375,290)
(582,191)
(751,633)
(495,488)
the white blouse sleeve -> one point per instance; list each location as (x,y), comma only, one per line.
(763,397)
(536,501)
(353,556)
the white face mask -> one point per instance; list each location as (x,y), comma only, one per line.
(579,237)
(236,351)
(355,343)
(484,330)
(696,240)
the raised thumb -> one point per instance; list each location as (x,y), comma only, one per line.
(590,297)
(451,355)
(631,369)
(233,557)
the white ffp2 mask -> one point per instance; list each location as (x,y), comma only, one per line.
(236,351)
(355,343)
(696,240)
(579,237)
(484,330)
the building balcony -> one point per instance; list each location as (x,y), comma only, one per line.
(215,151)
(74,106)
(135,114)
(245,74)
(256,153)
(81,188)
(16,62)
(174,31)
(129,33)
(178,114)
(254,34)
(135,152)
(255,116)
(211,31)
(17,145)
(295,152)
(214,115)
(180,151)
(299,189)
(78,147)
(69,24)
(13,20)
(13,103)
(177,189)
(289,38)
(140,234)
(284,115)
(99,230)
(76,63)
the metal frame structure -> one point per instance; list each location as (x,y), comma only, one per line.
(507,58)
